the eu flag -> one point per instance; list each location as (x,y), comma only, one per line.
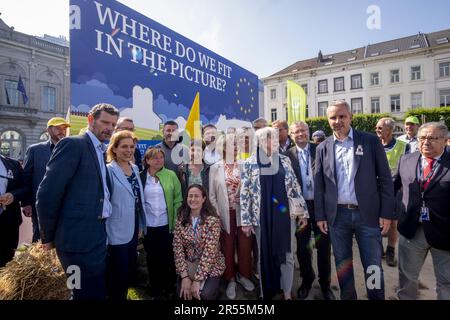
(21,89)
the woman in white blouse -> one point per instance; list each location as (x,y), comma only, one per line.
(162,198)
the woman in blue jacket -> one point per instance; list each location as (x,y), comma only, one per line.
(128,213)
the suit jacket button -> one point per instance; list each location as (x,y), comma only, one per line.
(101,200)
(99,217)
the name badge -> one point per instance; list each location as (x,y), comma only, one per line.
(359,150)
(424,214)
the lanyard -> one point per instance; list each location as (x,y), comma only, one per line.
(195,226)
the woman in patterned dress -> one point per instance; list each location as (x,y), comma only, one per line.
(198,259)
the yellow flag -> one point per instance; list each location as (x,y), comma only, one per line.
(193,121)
(296,102)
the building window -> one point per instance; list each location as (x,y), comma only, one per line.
(323,86)
(416,100)
(305,88)
(444,69)
(415,73)
(48,101)
(307,112)
(11,144)
(395,76)
(12,94)
(374,79)
(273,94)
(356,81)
(323,108)
(357,105)
(339,84)
(395,103)
(444,97)
(273,114)
(286,111)
(375,105)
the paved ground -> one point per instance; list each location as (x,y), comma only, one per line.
(391,277)
(390,274)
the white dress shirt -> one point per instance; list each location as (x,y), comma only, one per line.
(155,203)
(100,149)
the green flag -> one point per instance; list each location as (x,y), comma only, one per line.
(296,102)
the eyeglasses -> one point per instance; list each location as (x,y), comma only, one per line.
(431,139)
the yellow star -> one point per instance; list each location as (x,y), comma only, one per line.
(242,108)
(238,101)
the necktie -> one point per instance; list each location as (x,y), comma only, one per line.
(426,172)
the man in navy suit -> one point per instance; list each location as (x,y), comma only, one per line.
(36,158)
(424,224)
(73,202)
(303,156)
(12,190)
(353,195)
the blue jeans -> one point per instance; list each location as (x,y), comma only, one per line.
(348,223)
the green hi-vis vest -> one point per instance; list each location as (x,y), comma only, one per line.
(395,153)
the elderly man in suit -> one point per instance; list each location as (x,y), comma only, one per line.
(424,225)
(36,158)
(12,190)
(303,156)
(353,195)
(73,202)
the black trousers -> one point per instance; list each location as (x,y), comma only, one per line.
(160,260)
(9,238)
(121,263)
(304,252)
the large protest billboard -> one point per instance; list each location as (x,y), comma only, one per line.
(150,72)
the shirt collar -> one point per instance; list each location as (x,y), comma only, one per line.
(350,136)
(435,158)
(94,139)
(306,148)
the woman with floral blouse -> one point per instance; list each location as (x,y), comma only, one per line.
(198,260)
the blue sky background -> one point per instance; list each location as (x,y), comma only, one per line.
(263,36)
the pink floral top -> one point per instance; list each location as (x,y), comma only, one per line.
(201,243)
(233,182)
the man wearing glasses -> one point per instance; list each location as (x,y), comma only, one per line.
(425,224)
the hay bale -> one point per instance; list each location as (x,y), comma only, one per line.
(34,274)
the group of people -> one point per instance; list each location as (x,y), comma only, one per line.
(235,206)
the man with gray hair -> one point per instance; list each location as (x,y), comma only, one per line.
(353,195)
(394,149)
(303,156)
(425,225)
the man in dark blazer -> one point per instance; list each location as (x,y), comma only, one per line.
(303,156)
(12,190)
(353,195)
(424,224)
(36,159)
(73,202)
